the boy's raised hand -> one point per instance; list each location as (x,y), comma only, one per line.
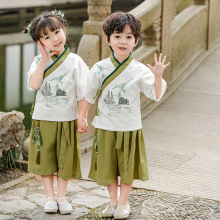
(159,66)
(45,55)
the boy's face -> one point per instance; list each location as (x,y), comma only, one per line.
(54,40)
(122,43)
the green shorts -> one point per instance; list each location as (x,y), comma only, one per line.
(118,154)
(59,152)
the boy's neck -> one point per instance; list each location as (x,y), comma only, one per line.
(120,59)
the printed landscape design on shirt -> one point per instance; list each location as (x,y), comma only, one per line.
(52,93)
(116,100)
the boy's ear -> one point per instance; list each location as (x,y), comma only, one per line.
(136,42)
(106,39)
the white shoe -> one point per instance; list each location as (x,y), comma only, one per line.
(109,211)
(50,206)
(122,211)
(64,206)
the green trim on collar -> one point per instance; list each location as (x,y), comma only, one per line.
(57,62)
(114,61)
(126,62)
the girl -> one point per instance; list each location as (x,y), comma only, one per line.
(60,78)
(117,81)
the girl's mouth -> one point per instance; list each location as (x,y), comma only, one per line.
(57,45)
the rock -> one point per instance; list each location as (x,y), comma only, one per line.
(11,130)
(25,149)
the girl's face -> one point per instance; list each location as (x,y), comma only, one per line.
(54,40)
(122,43)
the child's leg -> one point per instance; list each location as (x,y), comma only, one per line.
(113,192)
(48,185)
(125,190)
(123,209)
(61,187)
(51,204)
(64,206)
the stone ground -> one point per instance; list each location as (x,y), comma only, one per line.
(182,142)
(8,175)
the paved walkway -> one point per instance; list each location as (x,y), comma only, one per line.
(183,147)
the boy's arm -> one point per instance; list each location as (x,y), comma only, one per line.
(158,86)
(82,118)
(158,70)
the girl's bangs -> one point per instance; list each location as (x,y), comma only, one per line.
(48,23)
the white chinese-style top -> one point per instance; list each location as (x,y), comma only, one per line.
(119,103)
(63,85)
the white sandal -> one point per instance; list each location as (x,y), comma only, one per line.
(49,206)
(64,206)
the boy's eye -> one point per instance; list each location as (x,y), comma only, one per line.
(117,36)
(129,37)
(56,32)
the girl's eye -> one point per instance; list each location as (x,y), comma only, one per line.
(117,36)
(129,36)
(46,38)
(57,32)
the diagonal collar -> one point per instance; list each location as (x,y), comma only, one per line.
(116,62)
(57,61)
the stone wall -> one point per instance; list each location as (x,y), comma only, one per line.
(11,130)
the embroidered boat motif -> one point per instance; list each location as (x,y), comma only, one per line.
(46,91)
(109,99)
(123,101)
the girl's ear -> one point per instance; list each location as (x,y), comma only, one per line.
(136,42)
(106,39)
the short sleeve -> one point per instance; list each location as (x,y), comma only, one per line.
(81,78)
(93,85)
(147,85)
(31,70)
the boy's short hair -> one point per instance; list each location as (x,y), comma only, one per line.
(117,21)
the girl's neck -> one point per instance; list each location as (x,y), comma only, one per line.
(60,52)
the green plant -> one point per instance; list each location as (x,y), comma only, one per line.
(7,161)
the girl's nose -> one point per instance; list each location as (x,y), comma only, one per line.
(55,38)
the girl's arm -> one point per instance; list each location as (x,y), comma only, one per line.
(37,76)
(158,70)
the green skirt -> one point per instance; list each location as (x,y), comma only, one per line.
(118,154)
(59,151)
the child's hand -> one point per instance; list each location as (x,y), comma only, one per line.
(45,55)
(159,66)
(82,125)
(86,125)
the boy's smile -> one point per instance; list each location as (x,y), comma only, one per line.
(54,40)
(122,43)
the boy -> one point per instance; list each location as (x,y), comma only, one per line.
(118,148)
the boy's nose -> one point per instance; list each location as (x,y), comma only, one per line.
(123,41)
